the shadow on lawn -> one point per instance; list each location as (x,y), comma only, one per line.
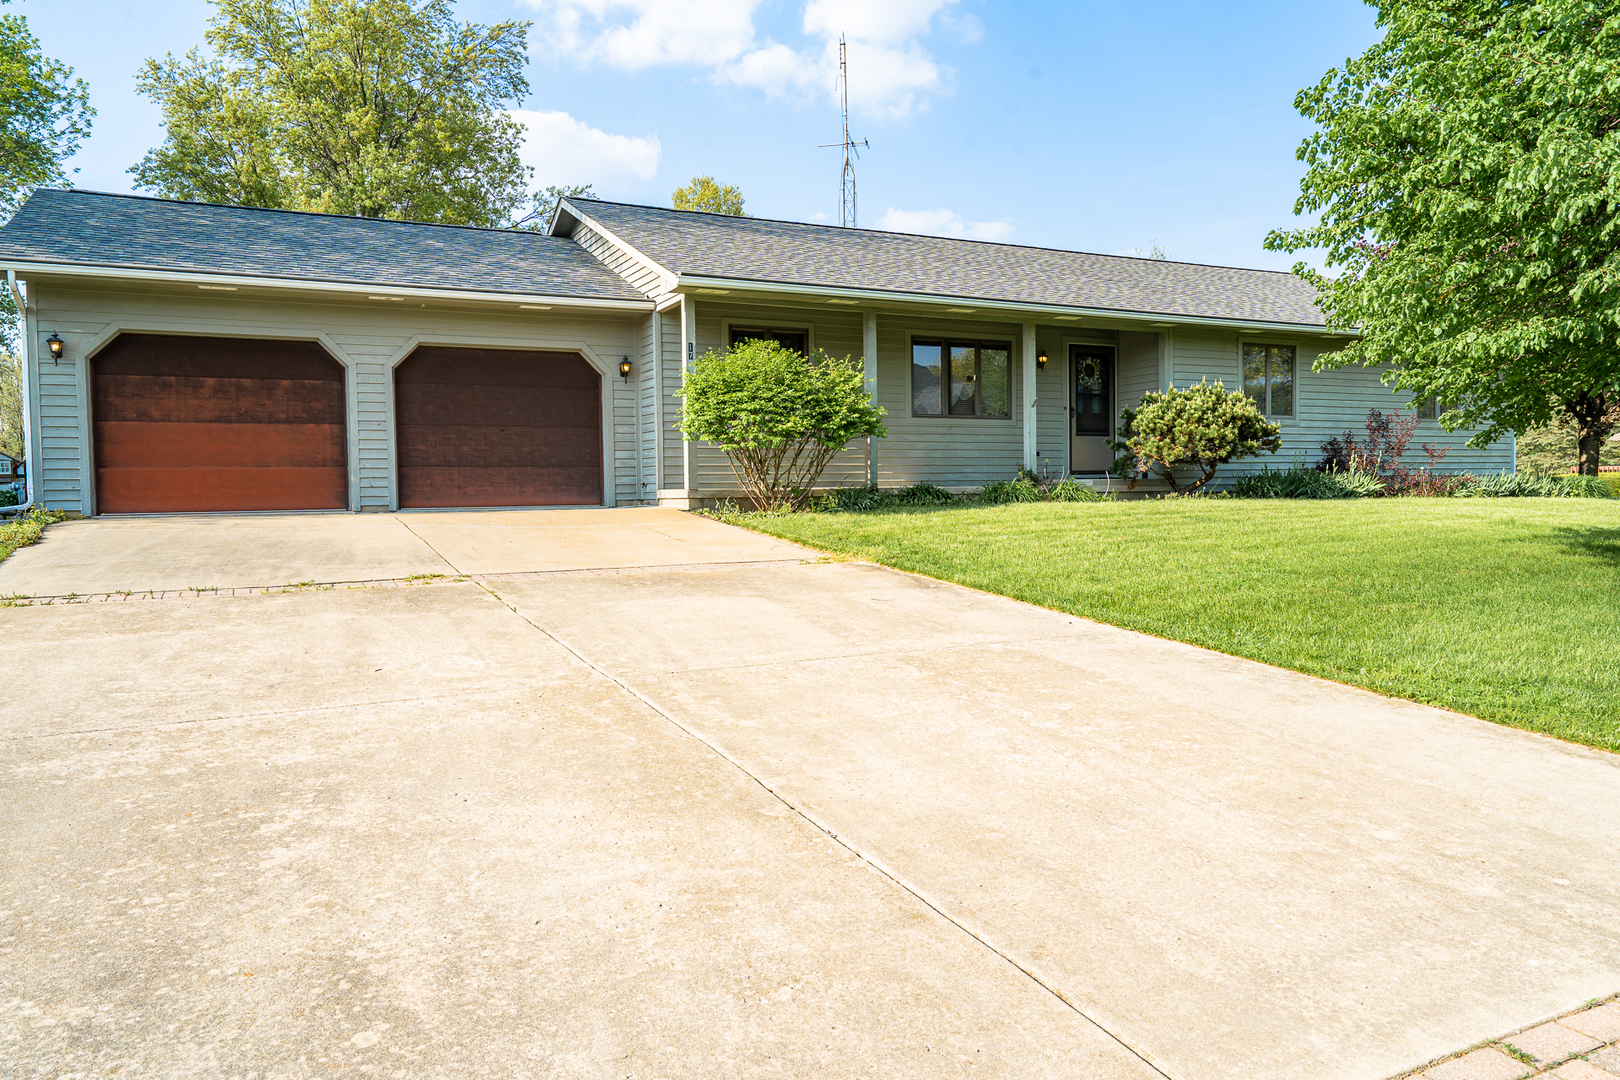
(1602,544)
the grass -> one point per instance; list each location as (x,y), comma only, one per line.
(26,529)
(1508,610)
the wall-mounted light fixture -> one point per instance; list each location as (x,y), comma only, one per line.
(54,343)
(1040,360)
(624,369)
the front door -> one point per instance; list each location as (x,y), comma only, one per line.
(1091,369)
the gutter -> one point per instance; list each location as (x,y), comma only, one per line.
(30,473)
(235,281)
(692,282)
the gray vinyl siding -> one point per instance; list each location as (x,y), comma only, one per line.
(1138,369)
(634,270)
(669,408)
(1327,403)
(366,336)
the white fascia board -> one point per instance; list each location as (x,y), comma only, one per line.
(686,282)
(666,277)
(26,269)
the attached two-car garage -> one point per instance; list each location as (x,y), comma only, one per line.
(190,424)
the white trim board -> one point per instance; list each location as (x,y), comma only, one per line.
(240,281)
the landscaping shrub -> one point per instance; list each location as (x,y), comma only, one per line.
(923,495)
(1009,491)
(1299,482)
(8,497)
(1070,490)
(1531,485)
(779,416)
(1201,427)
(1379,455)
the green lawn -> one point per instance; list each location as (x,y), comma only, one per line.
(1506,609)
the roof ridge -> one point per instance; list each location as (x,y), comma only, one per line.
(934,236)
(285,210)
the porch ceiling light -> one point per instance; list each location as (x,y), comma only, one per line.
(1067,318)
(54,343)
(534,307)
(1040,360)
(962,310)
(624,369)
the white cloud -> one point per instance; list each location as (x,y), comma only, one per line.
(633,34)
(563,150)
(876,22)
(890,69)
(943,222)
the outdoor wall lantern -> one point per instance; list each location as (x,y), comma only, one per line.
(624,369)
(54,343)
(1040,360)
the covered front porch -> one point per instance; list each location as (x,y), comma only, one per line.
(972,395)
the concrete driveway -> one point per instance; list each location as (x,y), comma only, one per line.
(633,794)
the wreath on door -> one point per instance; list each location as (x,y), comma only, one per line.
(1090,376)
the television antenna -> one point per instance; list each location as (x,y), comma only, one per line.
(851,148)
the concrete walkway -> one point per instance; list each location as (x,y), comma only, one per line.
(742,813)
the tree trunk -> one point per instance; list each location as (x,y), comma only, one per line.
(1594,417)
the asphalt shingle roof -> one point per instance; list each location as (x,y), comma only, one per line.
(793,253)
(87,228)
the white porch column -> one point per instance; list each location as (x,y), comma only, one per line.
(1031,435)
(869,352)
(688,355)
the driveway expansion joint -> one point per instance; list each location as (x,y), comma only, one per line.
(874,864)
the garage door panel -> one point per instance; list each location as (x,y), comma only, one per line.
(498,367)
(189,424)
(498,427)
(500,447)
(531,486)
(198,490)
(184,356)
(428,404)
(148,398)
(243,446)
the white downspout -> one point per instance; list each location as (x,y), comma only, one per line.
(30,472)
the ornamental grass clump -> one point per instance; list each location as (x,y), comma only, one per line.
(1201,427)
(779,416)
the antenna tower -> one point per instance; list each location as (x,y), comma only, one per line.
(851,148)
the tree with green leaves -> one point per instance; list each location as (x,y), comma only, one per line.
(377,108)
(779,416)
(45,114)
(546,201)
(1199,427)
(1465,176)
(704,194)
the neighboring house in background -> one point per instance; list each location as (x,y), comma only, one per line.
(11,471)
(224,358)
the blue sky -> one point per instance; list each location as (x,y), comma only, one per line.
(1100,126)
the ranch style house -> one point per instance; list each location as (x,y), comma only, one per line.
(186,357)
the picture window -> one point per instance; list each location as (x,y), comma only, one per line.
(961,378)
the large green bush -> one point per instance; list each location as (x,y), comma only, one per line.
(1201,427)
(779,416)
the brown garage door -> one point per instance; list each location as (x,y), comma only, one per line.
(498,427)
(203,423)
